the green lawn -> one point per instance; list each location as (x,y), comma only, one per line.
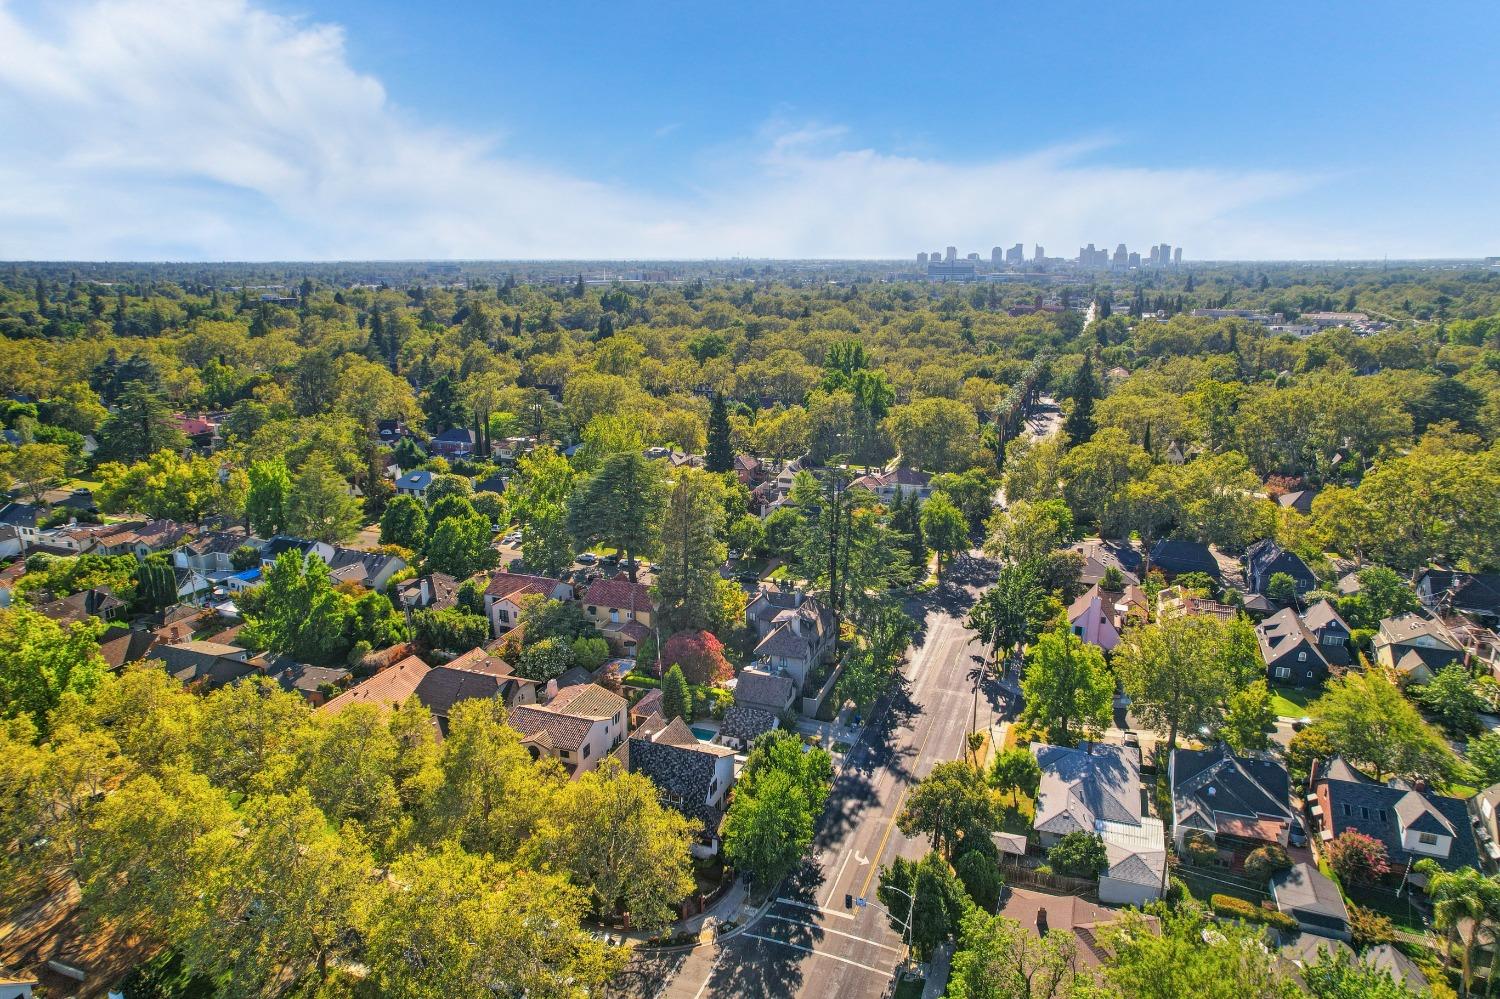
(1290,702)
(1017,817)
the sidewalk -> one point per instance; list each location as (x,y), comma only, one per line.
(937,972)
(733,907)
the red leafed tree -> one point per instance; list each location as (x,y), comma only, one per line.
(1357,857)
(701,656)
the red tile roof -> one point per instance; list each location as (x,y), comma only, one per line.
(513,585)
(619,593)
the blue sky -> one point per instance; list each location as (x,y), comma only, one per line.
(228,129)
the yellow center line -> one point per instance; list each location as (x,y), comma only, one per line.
(879,850)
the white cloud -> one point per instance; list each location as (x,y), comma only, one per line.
(213,129)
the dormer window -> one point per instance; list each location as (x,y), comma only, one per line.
(1427,839)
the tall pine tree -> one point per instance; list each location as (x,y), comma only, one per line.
(720,457)
(1085,389)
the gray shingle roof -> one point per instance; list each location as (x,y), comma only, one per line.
(1081,786)
(1304,889)
(771,692)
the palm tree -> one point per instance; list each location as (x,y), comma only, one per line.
(1459,896)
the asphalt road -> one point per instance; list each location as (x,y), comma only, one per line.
(808,943)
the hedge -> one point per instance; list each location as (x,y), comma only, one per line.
(1237,908)
(641,680)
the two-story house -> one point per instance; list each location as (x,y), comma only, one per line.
(622,611)
(1291,652)
(508,593)
(1099,616)
(475,674)
(1242,803)
(1414,647)
(579,726)
(1474,594)
(691,776)
(415,484)
(18,528)
(1332,632)
(1411,822)
(896,481)
(1266,558)
(211,551)
(796,632)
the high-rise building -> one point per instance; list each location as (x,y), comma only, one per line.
(934,257)
(997,256)
(972,256)
(1038,253)
(1155,255)
(1166,254)
(1121,255)
(1015,255)
(1135,260)
(1177,255)
(951,254)
(922,259)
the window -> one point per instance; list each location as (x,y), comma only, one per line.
(564,754)
(586,750)
(1427,839)
(1078,629)
(1383,817)
(614,616)
(1364,812)
(1347,813)
(1283,672)
(1302,656)
(504,616)
(593,611)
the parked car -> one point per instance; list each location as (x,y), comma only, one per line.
(587,558)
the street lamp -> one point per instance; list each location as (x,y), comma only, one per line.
(911,915)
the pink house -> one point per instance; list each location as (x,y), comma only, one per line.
(1099,616)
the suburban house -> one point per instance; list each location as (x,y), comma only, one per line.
(283,543)
(18,521)
(434,591)
(414,484)
(1445,591)
(1291,652)
(1099,616)
(1096,788)
(761,698)
(1332,632)
(691,776)
(580,726)
(372,570)
(1414,647)
(204,665)
(748,469)
(476,673)
(1300,500)
(211,550)
(143,539)
(85,605)
(1174,558)
(1172,602)
(456,442)
(1242,803)
(1386,959)
(316,684)
(894,482)
(1313,900)
(119,645)
(1413,823)
(386,689)
(795,632)
(622,611)
(508,592)
(1482,808)
(1266,558)
(1100,556)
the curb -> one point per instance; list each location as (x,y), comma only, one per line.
(689,948)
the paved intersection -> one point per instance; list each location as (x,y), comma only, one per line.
(808,943)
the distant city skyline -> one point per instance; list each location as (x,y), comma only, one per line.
(325,129)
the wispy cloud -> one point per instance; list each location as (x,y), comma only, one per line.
(217,129)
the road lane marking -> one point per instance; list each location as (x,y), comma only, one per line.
(833,886)
(814,908)
(839,933)
(712,968)
(864,889)
(818,953)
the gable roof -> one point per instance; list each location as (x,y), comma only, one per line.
(1305,889)
(1408,628)
(515,585)
(1217,791)
(444,686)
(1380,810)
(567,719)
(670,755)
(744,722)
(19,515)
(1080,787)
(1322,615)
(1283,633)
(119,645)
(386,689)
(771,692)
(1178,557)
(208,663)
(1401,969)
(1466,591)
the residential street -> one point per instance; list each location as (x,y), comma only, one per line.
(808,943)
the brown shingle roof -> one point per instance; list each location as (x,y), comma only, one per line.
(385,689)
(619,593)
(568,718)
(515,585)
